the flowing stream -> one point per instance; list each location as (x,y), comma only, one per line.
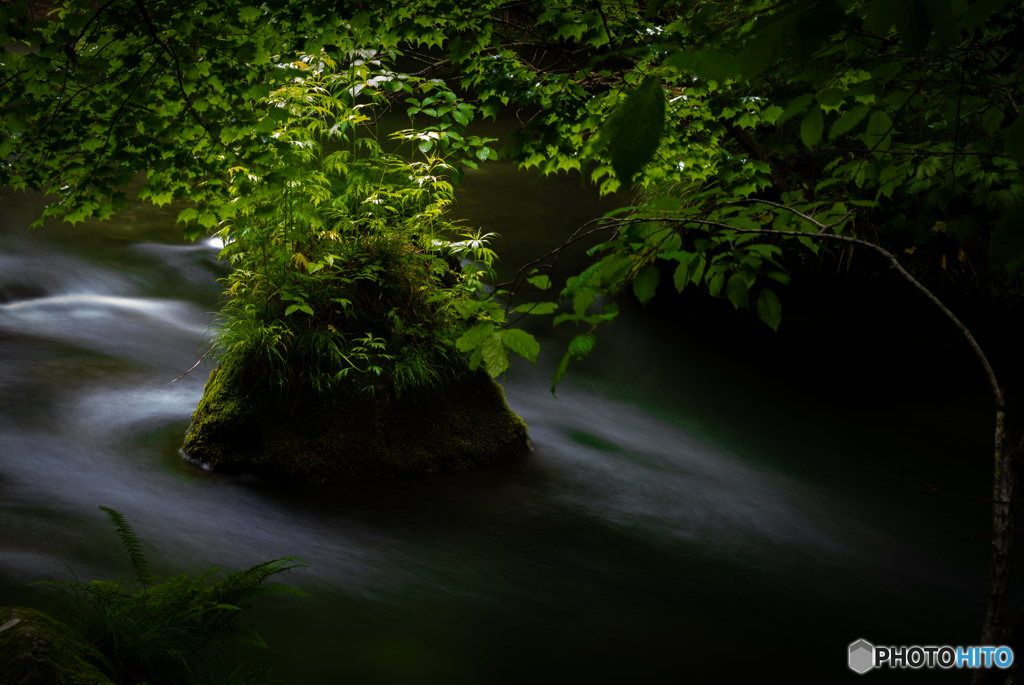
(689,513)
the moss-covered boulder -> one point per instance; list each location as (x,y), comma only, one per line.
(317,439)
(36,649)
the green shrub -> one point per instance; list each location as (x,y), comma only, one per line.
(348,276)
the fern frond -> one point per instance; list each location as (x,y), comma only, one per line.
(131,543)
(175,630)
(249,636)
(279,590)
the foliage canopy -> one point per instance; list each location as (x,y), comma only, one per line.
(893,120)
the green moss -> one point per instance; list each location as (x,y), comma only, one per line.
(36,649)
(316,439)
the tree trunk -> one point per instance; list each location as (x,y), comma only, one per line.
(995,630)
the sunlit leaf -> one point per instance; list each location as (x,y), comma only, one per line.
(472,338)
(542,282)
(494,357)
(536,308)
(522,343)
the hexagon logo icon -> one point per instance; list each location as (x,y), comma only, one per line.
(862,656)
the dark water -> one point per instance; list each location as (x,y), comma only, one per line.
(691,511)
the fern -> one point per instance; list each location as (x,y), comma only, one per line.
(131,543)
(176,630)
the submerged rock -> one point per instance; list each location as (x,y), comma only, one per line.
(36,649)
(315,439)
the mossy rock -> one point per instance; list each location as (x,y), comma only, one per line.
(316,439)
(36,649)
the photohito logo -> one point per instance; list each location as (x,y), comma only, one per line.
(863,656)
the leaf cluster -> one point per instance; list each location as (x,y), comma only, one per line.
(351,275)
(902,116)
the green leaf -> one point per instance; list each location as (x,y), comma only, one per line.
(912,23)
(536,308)
(559,372)
(795,106)
(879,19)
(847,121)
(736,289)
(706,64)
(962,229)
(663,204)
(944,25)
(979,12)
(633,131)
(522,343)
(696,270)
(542,282)
(476,358)
(248,14)
(614,268)
(879,135)
(681,278)
(493,352)
(299,307)
(769,308)
(831,98)
(886,71)
(581,345)
(472,338)
(467,308)
(653,6)
(188,214)
(646,283)
(458,176)
(1013,140)
(812,127)
(716,283)
(582,299)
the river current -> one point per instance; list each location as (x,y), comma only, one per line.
(687,513)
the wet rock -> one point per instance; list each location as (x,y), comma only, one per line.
(309,439)
(36,649)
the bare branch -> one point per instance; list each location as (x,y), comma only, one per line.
(970,499)
(193,366)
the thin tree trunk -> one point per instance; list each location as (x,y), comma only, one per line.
(994,630)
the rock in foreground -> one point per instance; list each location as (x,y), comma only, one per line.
(38,650)
(236,429)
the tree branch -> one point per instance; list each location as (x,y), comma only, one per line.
(177,69)
(970,499)
(997,392)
